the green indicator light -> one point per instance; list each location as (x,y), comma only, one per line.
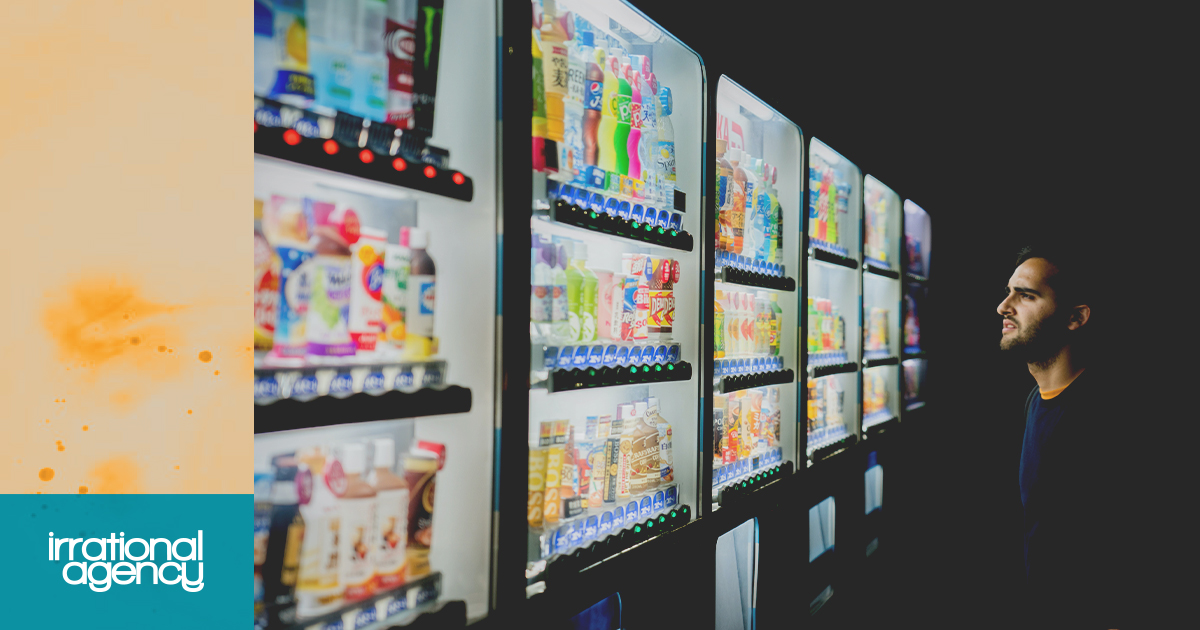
(591,372)
(633,369)
(670,366)
(658,368)
(593,214)
(662,230)
(662,519)
(649,228)
(673,514)
(635,225)
(646,369)
(743,484)
(650,523)
(637,529)
(674,233)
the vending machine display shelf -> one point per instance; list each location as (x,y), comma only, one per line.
(741,487)
(875,267)
(381,610)
(729,384)
(562,566)
(877,423)
(915,278)
(593,377)
(914,353)
(323,411)
(822,448)
(817,371)
(305,381)
(640,231)
(826,256)
(916,404)
(733,275)
(879,358)
(610,354)
(350,145)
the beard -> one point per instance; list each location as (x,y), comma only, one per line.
(1038,341)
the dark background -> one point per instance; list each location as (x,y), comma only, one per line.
(1004,123)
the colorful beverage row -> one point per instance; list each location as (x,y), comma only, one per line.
(877,329)
(600,117)
(615,206)
(621,456)
(826,404)
(355,56)
(828,203)
(875,241)
(746,425)
(330,531)
(746,324)
(826,327)
(571,303)
(875,391)
(329,290)
(749,218)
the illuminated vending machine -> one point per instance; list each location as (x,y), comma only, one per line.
(757,219)
(374,312)
(881,387)
(832,337)
(615,279)
(918,244)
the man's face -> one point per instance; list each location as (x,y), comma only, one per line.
(1032,326)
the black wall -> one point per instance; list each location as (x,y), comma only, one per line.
(1004,123)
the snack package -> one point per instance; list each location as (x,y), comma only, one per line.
(537,486)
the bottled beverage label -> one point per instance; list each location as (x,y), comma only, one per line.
(329,309)
(391,533)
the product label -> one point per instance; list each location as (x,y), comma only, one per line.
(391,527)
(295,291)
(400,43)
(646,507)
(355,546)
(329,309)
(672,497)
(666,159)
(659,501)
(594,96)
(605,525)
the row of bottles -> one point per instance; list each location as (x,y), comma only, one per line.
(746,324)
(826,327)
(600,117)
(328,531)
(330,290)
(828,204)
(749,217)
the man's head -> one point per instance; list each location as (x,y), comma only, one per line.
(1047,305)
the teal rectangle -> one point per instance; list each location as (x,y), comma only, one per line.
(37,596)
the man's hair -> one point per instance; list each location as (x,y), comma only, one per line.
(1074,282)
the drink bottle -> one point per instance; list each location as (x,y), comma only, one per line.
(593,97)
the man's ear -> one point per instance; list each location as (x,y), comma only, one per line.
(1079,316)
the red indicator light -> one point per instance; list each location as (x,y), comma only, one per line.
(331,147)
(430,172)
(399,164)
(292,137)
(458,178)
(256,126)
(366,156)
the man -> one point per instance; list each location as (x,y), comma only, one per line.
(1074,496)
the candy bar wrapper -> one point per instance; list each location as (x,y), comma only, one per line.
(537,486)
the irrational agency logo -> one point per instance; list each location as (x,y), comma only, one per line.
(115,560)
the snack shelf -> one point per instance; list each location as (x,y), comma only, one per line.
(347,144)
(824,447)
(728,488)
(916,404)
(877,418)
(642,232)
(872,266)
(619,541)
(741,277)
(821,254)
(736,382)
(817,371)
(382,610)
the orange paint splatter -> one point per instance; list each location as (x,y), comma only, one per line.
(119,475)
(83,490)
(217,373)
(206,356)
(162,348)
(46,474)
(60,446)
(172,350)
(176,468)
(86,321)
(189,412)
(85,427)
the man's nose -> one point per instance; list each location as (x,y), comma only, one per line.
(1004,306)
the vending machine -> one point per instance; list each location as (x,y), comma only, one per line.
(612,434)
(756,227)
(833,340)
(918,244)
(375,312)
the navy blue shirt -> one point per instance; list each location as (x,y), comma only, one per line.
(1074,499)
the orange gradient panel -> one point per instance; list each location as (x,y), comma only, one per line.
(126,332)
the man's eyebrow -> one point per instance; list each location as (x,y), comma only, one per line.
(1025,290)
